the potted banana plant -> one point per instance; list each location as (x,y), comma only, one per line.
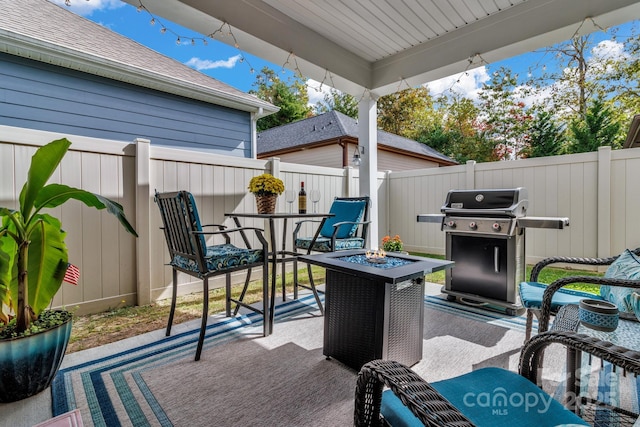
(33,262)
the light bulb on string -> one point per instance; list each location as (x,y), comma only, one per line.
(153,21)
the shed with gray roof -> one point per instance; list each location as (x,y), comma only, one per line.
(330,139)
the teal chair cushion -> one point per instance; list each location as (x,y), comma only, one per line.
(489,397)
(344,210)
(195,219)
(531,296)
(626,266)
(323,244)
(221,257)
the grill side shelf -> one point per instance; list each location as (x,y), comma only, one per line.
(543,222)
(434,218)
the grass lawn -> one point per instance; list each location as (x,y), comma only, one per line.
(124,322)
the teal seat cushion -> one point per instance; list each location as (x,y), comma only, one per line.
(323,244)
(491,397)
(531,296)
(344,210)
(221,257)
(626,266)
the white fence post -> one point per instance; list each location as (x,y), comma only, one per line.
(604,202)
(470,178)
(143,208)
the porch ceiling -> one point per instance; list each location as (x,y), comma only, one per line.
(385,45)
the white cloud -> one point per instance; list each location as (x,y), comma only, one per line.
(205,64)
(609,49)
(466,84)
(87,7)
(316,91)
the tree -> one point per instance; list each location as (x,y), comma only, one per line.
(291,97)
(507,120)
(625,81)
(546,137)
(338,101)
(575,80)
(406,112)
(598,128)
(461,132)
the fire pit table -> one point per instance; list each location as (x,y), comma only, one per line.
(374,309)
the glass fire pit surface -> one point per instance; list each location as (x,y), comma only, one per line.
(386,262)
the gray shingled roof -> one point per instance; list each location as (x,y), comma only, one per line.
(333,125)
(46,32)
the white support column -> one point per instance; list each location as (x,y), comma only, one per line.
(368,145)
(143,208)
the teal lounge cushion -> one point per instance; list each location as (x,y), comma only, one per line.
(626,266)
(344,210)
(531,296)
(490,397)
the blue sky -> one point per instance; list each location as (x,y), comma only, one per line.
(222,61)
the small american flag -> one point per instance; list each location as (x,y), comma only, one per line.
(72,275)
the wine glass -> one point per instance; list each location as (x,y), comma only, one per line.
(289,197)
(314,195)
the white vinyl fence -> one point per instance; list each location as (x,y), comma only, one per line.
(597,191)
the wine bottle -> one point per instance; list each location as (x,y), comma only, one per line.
(302,199)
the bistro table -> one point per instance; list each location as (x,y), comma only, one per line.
(275,255)
(374,310)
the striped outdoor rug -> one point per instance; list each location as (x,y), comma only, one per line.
(246,379)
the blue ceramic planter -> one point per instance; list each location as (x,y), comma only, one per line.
(29,364)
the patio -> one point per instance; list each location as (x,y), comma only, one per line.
(596,190)
(149,376)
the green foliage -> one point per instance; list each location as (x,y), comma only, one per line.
(405,112)
(507,119)
(546,137)
(598,128)
(338,101)
(32,248)
(290,96)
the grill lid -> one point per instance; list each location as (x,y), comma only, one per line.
(491,202)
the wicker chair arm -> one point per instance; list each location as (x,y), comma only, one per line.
(629,360)
(415,393)
(545,310)
(535,271)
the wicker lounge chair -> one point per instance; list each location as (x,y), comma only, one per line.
(410,400)
(532,293)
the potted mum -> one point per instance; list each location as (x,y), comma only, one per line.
(392,244)
(266,188)
(33,262)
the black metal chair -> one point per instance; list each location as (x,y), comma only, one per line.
(190,255)
(347,229)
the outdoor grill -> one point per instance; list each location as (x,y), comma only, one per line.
(485,236)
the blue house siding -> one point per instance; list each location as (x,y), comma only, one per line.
(41,96)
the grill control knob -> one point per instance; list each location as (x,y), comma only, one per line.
(496,226)
(451,224)
(473,225)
